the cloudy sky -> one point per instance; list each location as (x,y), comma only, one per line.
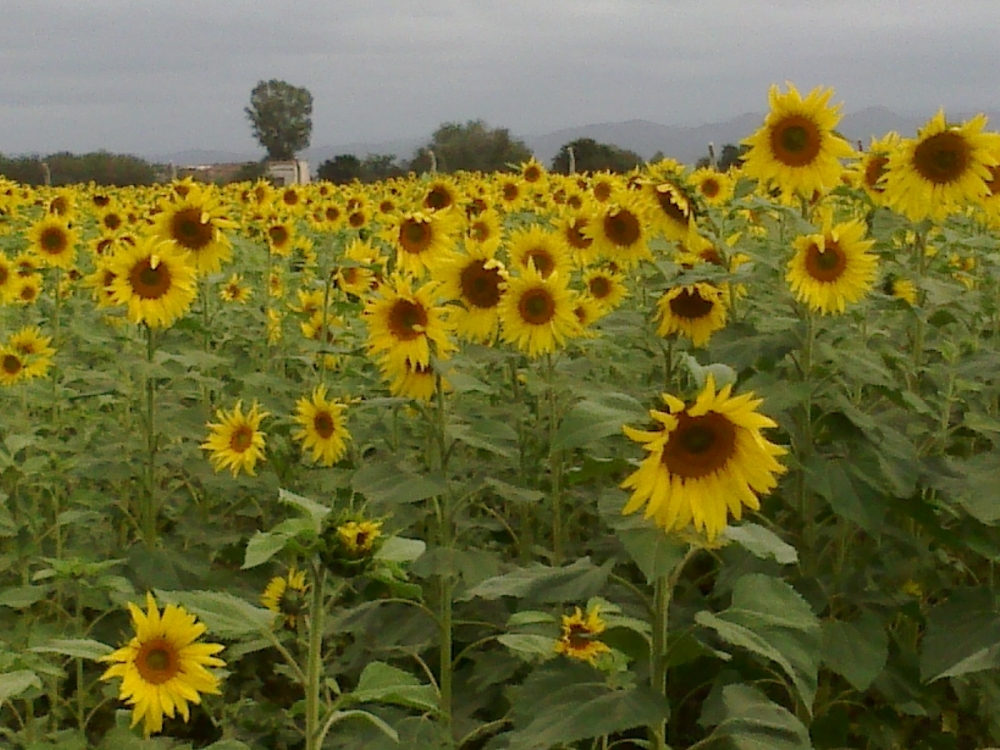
(152,77)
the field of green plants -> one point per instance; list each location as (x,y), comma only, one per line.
(515,461)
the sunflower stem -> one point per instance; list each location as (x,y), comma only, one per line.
(920,251)
(267,309)
(663,594)
(805,445)
(314,665)
(148,512)
(445,539)
(555,464)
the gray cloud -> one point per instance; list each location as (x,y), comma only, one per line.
(150,76)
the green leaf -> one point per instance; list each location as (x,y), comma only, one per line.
(762,542)
(357,713)
(514,494)
(489,435)
(384,683)
(20,597)
(315,511)
(81,648)
(225,615)
(400,549)
(832,480)
(592,420)
(228,745)
(769,618)
(963,636)
(856,650)
(753,722)
(262,547)
(722,374)
(974,483)
(390,485)
(12,684)
(655,552)
(576,582)
(529,646)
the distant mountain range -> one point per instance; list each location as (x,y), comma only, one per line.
(686,144)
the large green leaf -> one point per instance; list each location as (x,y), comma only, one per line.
(81,648)
(12,684)
(769,618)
(750,721)
(576,582)
(856,650)
(594,419)
(225,615)
(655,552)
(384,683)
(762,542)
(963,635)
(392,485)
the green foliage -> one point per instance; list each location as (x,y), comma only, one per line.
(64,168)
(474,146)
(591,156)
(280,117)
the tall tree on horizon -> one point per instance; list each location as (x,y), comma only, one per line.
(474,146)
(280,115)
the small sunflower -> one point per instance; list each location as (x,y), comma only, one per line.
(579,635)
(421,239)
(714,187)
(154,280)
(536,313)
(621,230)
(540,248)
(234,291)
(571,230)
(8,276)
(902,289)
(405,323)
(606,287)
(797,150)
(694,311)
(236,441)
(34,348)
(350,545)
(12,366)
(324,429)
(279,232)
(53,242)
(359,538)
(163,668)
(285,596)
(945,168)
(871,167)
(832,268)
(706,462)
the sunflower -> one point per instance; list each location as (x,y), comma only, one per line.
(707,461)
(155,281)
(285,596)
(34,348)
(901,289)
(832,268)
(511,195)
(440,194)
(605,287)
(8,276)
(533,175)
(421,239)
(540,248)
(694,311)
(162,667)
(797,150)
(476,279)
(579,635)
(324,431)
(674,211)
(945,168)
(571,230)
(621,230)
(715,187)
(483,228)
(407,380)
(359,538)
(27,289)
(196,224)
(405,324)
(53,242)
(536,313)
(279,231)
(234,291)
(110,219)
(870,169)
(236,441)
(12,366)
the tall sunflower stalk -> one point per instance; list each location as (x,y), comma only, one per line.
(149,508)
(555,462)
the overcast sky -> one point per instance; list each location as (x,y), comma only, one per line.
(155,76)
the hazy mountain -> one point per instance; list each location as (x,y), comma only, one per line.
(686,144)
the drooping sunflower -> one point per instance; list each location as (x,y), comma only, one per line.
(155,281)
(236,441)
(579,635)
(536,313)
(163,668)
(706,462)
(674,212)
(421,239)
(797,150)
(476,280)
(405,323)
(197,224)
(53,242)
(942,170)
(407,380)
(285,596)
(833,267)
(694,311)
(570,230)
(323,426)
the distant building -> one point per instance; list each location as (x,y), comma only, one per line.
(283,173)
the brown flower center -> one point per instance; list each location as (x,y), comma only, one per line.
(277,235)
(699,446)
(602,190)
(11,364)
(536,306)
(149,282)
(874,169)
(827,264)
(796,141)
(157,661)
(241,439)
(323,424)
(691,305)
(542,259)
(407,320)
(710,187)
(480,285)
(992,184)
(357,219)
(510,191)
(575,236)
(942,158)
(188,231)
(622,227)
(438,197)
(675,207)
(600,287)
(112,221)
(53,240)
(415,236)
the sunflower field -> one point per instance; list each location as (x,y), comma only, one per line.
(671,459)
